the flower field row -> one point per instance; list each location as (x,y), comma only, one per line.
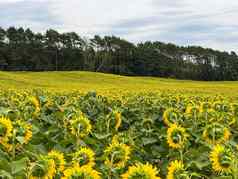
(145,136)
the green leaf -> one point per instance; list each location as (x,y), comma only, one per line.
(19,166)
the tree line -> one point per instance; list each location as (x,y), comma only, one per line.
(24,50)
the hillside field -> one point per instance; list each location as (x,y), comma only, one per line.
(90,81)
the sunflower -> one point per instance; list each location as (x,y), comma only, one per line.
(176,136)
(141,171)
(175,169)
(44,169)
(204,107)
(5,129)
(36,104)
(215,134)
(170,116)
(23,130)
(80,127)
(221,159)
(118,119)
(58,158)
(81,172)
(192,110)
(84,156)
(117,154)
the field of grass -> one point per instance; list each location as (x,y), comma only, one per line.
(87,81)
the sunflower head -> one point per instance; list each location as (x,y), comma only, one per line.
(175,169)
(23,131)
(204,107)
(43,168)
(170,116)
(36,103)
(85,172)
(84,157)
(80,127)
(216,133)
(117,154)
(176,136)
(5,129)
(141,171)
(221,159)
(192,110)
(58,158)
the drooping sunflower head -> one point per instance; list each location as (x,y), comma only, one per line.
(204,107)
(118,119)
(221,159)
(117,154)
(192,110)
(80,127)
(142,171)
(5,128)
(170,116)
(36,103)
(58,158)
(43,168)
(84,157)
(216,133)
(77,172)
(175,169)
(176,136)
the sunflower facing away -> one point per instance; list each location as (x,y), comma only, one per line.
(84,156)
(141,171)
(175,169)
(85,172)
(170,116)
(216,133)
(176,136)
(117,154)
(222,159)
(58,158)
(43,169)
(80,127)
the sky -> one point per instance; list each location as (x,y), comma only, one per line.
(208,23)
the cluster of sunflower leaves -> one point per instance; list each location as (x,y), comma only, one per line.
(50,135)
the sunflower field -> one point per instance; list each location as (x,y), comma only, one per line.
(50,135)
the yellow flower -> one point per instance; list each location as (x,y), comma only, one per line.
(23,130)
(44,169)
(176,136)
(117,154)
(170,116)
(118,119)
(58,158)
(221,159)
(192,110)
(215,134)
(81,172)
(140,171)
(84,156)
(175,169)
(5,129)
(80,127)
(204,107)
(36,104)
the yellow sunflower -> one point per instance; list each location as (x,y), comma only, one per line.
(36,104)
(170,116)
(176,136)
(23,130)
(58,158)
(80,127)
(215,134)
(175,169)
(192,110)
(117,154)
(204,107)
(141,171)
(84,156)
(118,119)
(5,129)
(81,172)
(222,159)
(44,169)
